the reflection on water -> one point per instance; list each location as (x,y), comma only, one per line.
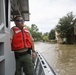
(62,58)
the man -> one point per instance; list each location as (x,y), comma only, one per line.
(21,43)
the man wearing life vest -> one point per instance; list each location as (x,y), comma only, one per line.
(21,43)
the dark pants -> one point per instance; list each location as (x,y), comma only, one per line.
(24,61)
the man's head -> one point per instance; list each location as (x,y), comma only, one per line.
(19,22)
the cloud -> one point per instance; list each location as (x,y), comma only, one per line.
(46,13)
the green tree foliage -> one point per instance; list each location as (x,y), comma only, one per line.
(34,28)
(65,27)
(35,32)
(52,34)
(45,36)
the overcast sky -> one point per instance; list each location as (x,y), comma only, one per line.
(46,13)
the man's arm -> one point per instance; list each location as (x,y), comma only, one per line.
(32,42)
(33,48)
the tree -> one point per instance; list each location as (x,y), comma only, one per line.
(35,32)
(52,34)
(34,28)
(65,28)
(45,36)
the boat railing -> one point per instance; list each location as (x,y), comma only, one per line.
(42,67)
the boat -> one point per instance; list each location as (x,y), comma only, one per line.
(8,10)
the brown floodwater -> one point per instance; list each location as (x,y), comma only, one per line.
(61,57)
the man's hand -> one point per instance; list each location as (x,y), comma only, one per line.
(33,54)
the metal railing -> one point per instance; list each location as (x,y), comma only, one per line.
(42,67)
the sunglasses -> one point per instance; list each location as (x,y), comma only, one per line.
(21,20)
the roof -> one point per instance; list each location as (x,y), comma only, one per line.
(20,7)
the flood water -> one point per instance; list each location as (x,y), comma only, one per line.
(62,58)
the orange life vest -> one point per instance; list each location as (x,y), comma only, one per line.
(21,39)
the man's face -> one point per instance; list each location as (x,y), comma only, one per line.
(19,22)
